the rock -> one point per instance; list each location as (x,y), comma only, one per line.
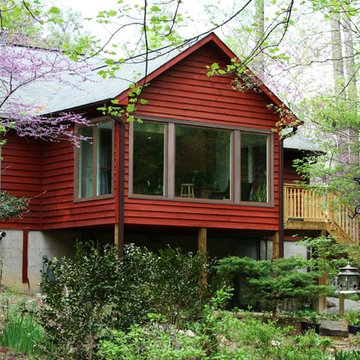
(333,328)
(189,333)
(330,304)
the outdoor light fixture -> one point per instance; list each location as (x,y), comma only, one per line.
(348,280)
(2,234)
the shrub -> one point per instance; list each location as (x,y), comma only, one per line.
(77,300)
(271,282)
(94,292)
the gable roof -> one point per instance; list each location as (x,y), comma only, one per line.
(98,90)
(73,93)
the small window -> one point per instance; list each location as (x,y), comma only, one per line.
(95,161)
(254,167)
(148,167)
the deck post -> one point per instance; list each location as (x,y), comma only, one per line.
(276,246)
(116,235)
(202,247)
(320,303)
(341,304)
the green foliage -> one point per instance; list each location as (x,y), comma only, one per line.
(272,281)
(348,355)
(77,304)
(336,132)
(12,206)
(87,296)
(307,315)
(151,341)
(21,332)
(125,112)
(226,337)
(353,317)
(328,256)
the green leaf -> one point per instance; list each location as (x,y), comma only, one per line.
(155,8)
(54,10)
(130,108)
(143,101)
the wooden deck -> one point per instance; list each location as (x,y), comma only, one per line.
(313,208)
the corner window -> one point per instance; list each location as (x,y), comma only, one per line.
(202,163)
(95,161)
(148,158)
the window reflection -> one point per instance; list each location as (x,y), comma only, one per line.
(254,169)
(148,169)
(202,164)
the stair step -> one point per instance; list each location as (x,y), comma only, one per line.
(334,328)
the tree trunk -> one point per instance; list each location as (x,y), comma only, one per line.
(337,55)
(350,68)
(259,37)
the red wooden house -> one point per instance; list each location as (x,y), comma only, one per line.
(203,169)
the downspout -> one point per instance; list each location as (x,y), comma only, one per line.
(281,199)
(121,192)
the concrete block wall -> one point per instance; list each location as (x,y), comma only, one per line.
(291,248)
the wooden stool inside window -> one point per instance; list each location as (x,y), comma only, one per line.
(187,190)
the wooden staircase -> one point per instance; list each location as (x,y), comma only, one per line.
(313,208)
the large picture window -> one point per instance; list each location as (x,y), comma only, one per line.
(202,163)
(189,162)
(95,160)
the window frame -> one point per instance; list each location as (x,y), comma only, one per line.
(94,123)
(235,164)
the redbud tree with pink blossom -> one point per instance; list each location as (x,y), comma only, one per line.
(27,66)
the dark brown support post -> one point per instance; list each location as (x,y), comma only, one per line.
(320,304)
(119,227)
(276,246)
(116,235)
(202,247)
(341,304)
(281,199)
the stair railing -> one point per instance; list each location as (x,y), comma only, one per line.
(315,204)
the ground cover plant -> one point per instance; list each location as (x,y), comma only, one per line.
(217,335)
(150,305)
(20,331)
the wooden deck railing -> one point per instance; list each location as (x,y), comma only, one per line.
(316,205)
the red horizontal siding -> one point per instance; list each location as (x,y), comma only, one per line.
(58,207)
(185,92)
(290,174)
(21,176)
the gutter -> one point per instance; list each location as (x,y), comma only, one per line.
(25,256)
(281,188)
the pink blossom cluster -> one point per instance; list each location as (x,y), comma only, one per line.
(29,78)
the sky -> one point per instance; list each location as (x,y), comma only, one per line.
(90,8)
